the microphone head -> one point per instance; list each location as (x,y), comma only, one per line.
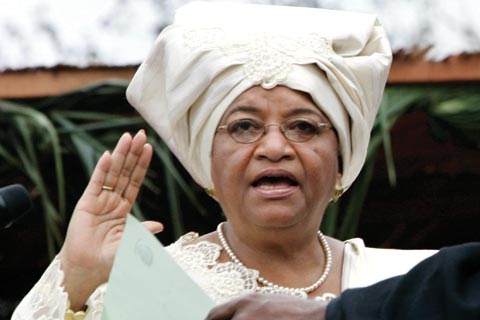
(15,201)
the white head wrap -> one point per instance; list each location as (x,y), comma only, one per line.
(215,51)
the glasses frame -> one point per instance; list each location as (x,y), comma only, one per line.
(320,125)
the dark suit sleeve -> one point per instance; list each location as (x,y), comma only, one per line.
(444,286)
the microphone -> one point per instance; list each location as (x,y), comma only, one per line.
(14,203)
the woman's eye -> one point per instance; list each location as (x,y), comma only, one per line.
(302,126)
(243,125)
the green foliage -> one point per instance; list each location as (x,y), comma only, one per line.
(454,112)
(79,126)
(52,145)
(26,136)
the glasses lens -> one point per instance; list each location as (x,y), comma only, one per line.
(299,129)
(245,130)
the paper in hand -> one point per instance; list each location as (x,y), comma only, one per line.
(146,283)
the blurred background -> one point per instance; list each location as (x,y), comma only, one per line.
(64,67)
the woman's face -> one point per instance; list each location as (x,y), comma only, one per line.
(273,182)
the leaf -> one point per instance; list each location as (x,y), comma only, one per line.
(165,157)
(353,210)
(387,144)
(174,204)
(329,221)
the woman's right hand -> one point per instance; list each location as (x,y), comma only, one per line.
(99,217)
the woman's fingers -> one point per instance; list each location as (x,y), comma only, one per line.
(131,160)
(153,226)
(119,155)
(138,174)
(117,177)
(99,173)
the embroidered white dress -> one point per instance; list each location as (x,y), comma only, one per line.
(222,281)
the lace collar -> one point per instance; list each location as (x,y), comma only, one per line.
(221,280)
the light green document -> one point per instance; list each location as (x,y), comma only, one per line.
(146,283)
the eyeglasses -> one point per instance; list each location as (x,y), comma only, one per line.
(293,129)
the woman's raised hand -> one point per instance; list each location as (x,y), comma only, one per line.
(99,217)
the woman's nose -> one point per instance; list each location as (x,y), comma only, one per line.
(273,145)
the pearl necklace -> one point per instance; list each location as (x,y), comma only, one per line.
(265,282)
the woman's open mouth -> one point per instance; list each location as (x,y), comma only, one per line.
(275,183)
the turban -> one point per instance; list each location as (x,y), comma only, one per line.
(213,52)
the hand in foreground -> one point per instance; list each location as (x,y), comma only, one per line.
(99,217)
(269,307)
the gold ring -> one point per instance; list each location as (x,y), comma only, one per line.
(107,188)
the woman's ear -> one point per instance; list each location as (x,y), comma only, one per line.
(340,164)
(338,181)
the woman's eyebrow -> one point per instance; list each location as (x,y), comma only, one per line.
(248,109)
(306,111)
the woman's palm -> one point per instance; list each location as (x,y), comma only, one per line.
(99,218)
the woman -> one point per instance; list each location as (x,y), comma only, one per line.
(269,109)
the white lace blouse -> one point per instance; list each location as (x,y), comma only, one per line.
(222,281)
